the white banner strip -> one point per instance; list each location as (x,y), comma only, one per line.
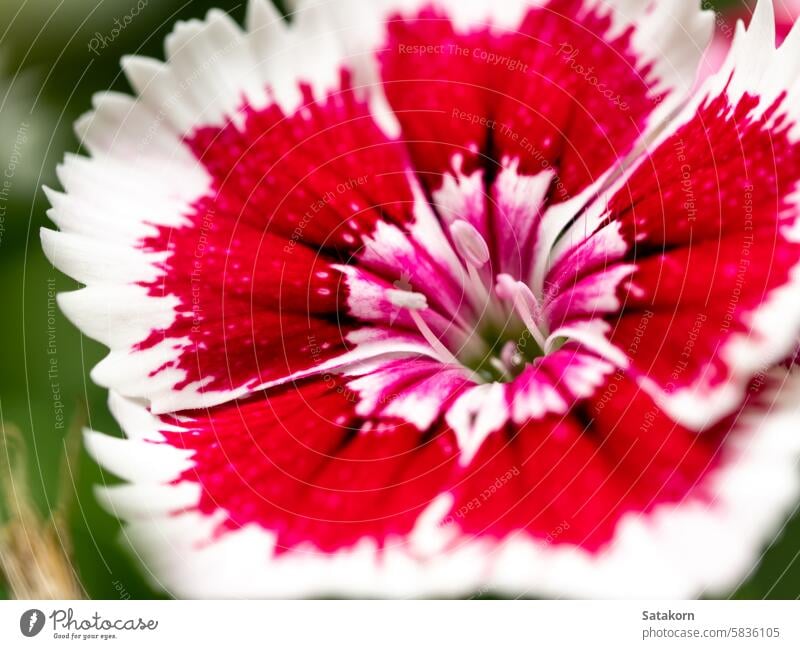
(400,624)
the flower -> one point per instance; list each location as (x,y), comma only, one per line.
(427,297)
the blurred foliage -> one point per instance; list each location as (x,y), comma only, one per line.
(36,550)
(50,75)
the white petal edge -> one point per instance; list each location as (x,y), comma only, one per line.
(681,550)
(142,176)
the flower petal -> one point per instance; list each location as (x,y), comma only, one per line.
(693,261)
(295,495)
(538,102)
(570,87)
(222,269)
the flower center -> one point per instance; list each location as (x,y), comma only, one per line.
(504,331)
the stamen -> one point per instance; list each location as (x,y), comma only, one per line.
(470,244)
(416,302)
(472,248)
(510,356)
(498,365)
(525,303)
(508,288)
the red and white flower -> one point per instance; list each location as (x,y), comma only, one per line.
(422,297)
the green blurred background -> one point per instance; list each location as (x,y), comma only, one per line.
(47,77)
